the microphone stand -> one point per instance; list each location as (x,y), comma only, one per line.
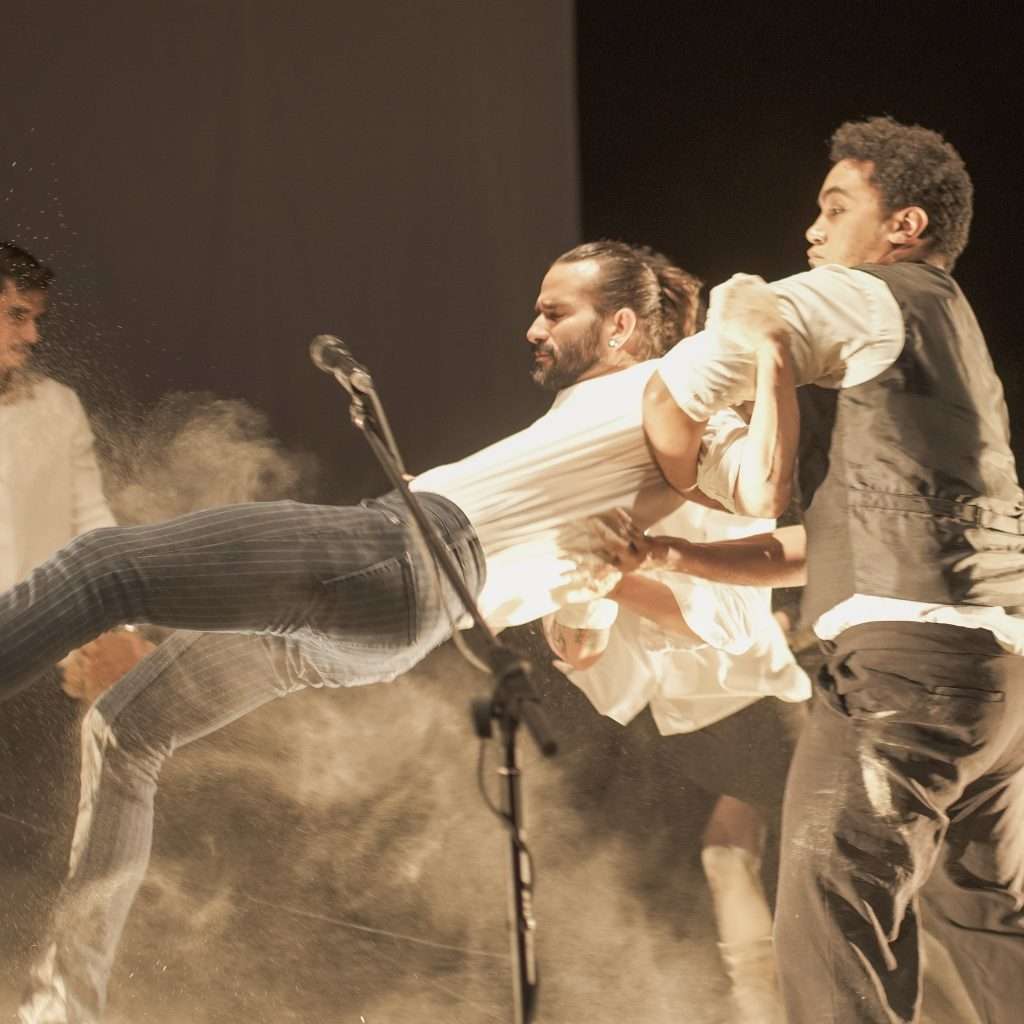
(513,700)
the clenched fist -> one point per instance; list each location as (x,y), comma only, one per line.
(745,310)
(611,539)
(93,669)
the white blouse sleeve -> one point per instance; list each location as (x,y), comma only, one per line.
(721,454)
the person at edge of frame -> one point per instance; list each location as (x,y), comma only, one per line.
(50,491)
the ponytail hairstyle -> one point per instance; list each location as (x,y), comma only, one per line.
(664,297)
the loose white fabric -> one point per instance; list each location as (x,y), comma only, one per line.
(741,655)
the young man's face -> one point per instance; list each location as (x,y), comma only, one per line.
(852,226)
(569,337)
(20,313)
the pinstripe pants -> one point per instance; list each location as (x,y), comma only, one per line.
(285,596)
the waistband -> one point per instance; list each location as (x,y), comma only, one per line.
(925,637)
(451,522)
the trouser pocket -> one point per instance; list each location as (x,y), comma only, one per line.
(373,607)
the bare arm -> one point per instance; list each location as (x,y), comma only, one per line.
(582,647)
(653,601)
(672,436)
(765,481)
(775,559)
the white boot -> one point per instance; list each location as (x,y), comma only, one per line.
(745,931)
(755,990)
(47,999)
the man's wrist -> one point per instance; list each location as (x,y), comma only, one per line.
(665,554)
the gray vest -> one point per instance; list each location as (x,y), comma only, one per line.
(907,481)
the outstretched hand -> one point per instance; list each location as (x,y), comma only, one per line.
(590,578)
(91,670)
(611,539)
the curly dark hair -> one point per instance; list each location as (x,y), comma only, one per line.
(914,166)
(665,298)
(23,269)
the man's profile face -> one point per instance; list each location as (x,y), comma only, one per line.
(852,226)
(568,336)
(20,313)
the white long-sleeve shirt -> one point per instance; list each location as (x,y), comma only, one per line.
(50,488)
(741,654)
(586,455)
(845,329)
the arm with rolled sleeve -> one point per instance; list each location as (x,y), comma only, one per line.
(693,610)
(697,611)
(774,558)
(690,612)
(843,328)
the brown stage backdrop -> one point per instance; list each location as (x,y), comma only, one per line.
(216,181)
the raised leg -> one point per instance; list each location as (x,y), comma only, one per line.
(352,574)
(192,685)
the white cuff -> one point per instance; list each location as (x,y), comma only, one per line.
(599,614)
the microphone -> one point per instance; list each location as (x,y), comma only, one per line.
(332,356)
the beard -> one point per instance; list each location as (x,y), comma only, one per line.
(568,362)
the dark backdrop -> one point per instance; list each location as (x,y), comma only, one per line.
(216,181)
(704,128)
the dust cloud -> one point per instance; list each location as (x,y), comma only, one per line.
(329,858)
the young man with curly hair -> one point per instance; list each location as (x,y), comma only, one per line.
(905,801)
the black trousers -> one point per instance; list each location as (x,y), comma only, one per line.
(745,755)
(905,802)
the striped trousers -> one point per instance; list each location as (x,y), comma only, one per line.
(268,598)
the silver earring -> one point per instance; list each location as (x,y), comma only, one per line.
(614,342)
